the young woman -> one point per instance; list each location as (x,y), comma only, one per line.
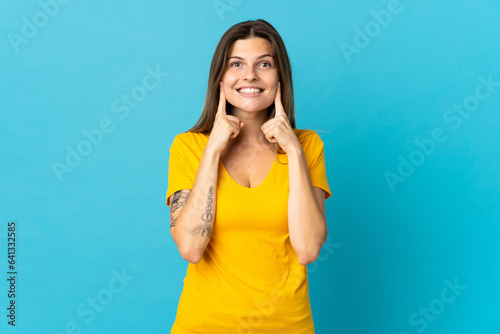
(247,195)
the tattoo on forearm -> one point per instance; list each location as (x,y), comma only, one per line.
(207,217)
(178,201)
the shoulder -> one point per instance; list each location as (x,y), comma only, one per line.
(312,145)
(307,137)
(190,139)
(191,136)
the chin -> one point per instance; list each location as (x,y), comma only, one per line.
(250,107)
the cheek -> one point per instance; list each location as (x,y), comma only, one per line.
(273,84)
(227,88)
(228,84)
(270,97)
(272,93)
(229,77)
(231,95)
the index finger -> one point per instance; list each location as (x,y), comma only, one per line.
(222,101)
(278,106)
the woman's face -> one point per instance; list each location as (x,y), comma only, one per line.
(250,65)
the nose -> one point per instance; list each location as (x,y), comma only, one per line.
(250,74)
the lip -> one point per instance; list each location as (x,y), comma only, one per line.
(249,87)
(249,94)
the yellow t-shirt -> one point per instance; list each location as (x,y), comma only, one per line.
(249,279)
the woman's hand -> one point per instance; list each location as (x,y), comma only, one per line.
(278,129)
(225,126)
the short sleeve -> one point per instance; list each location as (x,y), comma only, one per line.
(180,169)
(315,156)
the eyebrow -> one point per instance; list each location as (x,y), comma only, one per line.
(266,55)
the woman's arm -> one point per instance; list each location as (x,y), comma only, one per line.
(306,209)
(192,213)
(306,206)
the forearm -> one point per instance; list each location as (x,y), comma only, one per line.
(306,222)
(193,226)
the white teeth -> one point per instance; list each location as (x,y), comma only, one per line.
(250,90)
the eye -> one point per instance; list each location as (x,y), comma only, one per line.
(266,64)
(235,63)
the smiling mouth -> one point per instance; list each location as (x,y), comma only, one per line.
(250,91)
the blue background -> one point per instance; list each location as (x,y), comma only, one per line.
(390,250)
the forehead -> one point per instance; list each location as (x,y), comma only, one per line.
(251,47)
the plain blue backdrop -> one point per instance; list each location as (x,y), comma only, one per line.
(405,95)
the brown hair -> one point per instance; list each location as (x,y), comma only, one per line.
(245,30)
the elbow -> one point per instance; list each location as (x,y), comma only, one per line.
(191,256)
(187,252)
(310,252)
(193,260)
(307,257)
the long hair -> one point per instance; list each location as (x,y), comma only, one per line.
(245,30)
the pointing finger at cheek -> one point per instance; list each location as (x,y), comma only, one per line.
(277,102)
(222,100)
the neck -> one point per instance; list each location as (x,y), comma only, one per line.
(251,134)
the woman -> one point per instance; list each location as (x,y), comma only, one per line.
(247,195)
